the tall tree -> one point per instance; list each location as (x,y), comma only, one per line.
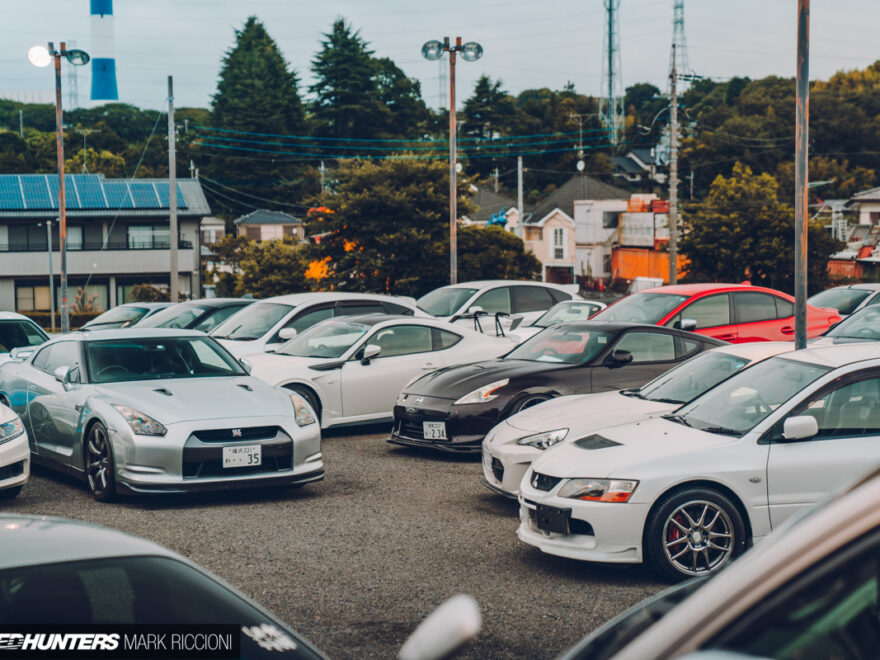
(403,98)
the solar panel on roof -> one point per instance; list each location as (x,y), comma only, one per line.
(144,195)
(90,194)
(36,191)
(10,193)
(162,189)
(117,195)
(71,201)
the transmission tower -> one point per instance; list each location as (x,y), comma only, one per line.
(72,82)
(611,100)
(442,86)
(679,52)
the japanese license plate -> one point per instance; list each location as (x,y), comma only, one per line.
(434,430)
(245,456)
(551,519)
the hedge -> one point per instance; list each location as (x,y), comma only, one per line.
(77,320)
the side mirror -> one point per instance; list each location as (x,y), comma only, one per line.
(64,375)
(246,365)
(686,324)
(370,351)
(287,333)
(476,309)
(620,358)
(21,353)
(800,427)
(452,624)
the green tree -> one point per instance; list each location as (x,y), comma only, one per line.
(273,268)
(103,162)
(403,98)
(492,253)
(148,293)
(743,232)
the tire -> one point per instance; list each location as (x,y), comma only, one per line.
(529,401)
(10,493)
(309,396)
(100,469)
(693,532)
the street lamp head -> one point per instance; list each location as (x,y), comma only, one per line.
(580,166)
(39,56)
(471,51)
(432,50)
(77,57)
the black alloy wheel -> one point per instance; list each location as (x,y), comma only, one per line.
(100,470)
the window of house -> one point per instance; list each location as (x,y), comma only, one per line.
(559,243)
(610,219)
(606,264)
(147,237)
(31,298)
(252,233)
(272,232)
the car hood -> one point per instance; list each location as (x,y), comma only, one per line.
(455,382)
(836,341)
(618,449)
(238,347)
(275,368)
(581,413)
(169,401)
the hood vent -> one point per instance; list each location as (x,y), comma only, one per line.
(162,390)
(245,386)
(595,442)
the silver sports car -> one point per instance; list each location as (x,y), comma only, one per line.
(159,410)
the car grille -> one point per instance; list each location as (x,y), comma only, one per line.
(214,468)
(410,429)
(235,435)
(497,469)
(544,482)
(13,470)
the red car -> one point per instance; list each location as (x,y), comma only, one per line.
(730,312)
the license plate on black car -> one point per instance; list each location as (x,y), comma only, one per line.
(551,519)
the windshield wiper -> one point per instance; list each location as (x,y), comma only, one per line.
(633,393)
(677,418)
(721,430)
(676,401)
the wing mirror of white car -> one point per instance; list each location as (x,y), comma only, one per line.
(287,333)
(800,427)
(687,324)
(65,375)
(452,624)
(370,351)
(246,365)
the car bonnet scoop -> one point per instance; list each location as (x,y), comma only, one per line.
(162,390)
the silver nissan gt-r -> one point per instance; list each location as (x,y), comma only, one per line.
(159,410)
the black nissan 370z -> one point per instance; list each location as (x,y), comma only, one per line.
(454,408)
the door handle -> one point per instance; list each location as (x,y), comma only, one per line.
(726,337)
(787,330)
(428,367)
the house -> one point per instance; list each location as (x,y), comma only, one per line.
(264,225)
(490,207)
(640,165)
(212,230)
(117,236)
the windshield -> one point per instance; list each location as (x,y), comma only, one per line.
(864,324)
(178,316)
(252,322)
(691,379)
(446,301)
(844,301)
(123,360)
(123,315)
(641,308)
(566,311)
(14,334)
(136,591)
(740,403)
(329,339)
(567,344)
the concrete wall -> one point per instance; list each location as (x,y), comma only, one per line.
(588,216)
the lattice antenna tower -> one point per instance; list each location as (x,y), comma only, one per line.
(611,99)
(442,85)
(679,53)
(72,81)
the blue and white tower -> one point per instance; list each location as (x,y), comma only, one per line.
(103,52)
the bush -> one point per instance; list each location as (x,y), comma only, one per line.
(77,319)
(147,293)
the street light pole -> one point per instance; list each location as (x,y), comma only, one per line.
(51,277)
(62,211)
(673,173)
(802,118)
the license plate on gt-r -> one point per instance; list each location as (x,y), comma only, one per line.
(244,456)
(434,430)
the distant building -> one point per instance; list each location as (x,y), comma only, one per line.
(264,225)
(489,206)
(117,236)
(640,165)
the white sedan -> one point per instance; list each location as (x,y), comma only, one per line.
(352,369)
(689,491)
(15,454)
(511,446)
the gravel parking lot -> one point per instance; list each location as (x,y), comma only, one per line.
(356,561)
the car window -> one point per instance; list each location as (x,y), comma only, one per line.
(829,612)
(531,299)
(844,300)
(305,320)
(569,343)
(708,312)
(853,409)
(14,334)
(784,308)
(252,322)
(647,346)
(444,339)
(875,300)
(402,340)
(64,354)
(864,325)
(215,318)
(754,307)
(41,359)
(689,346)
(641,308)
(350,309)
(494,301)
(176,316)
(564,312)
(445,301)
(559,296)
(394,308)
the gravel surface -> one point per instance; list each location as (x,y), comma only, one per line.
(355,562)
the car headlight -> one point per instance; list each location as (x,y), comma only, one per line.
(599,490)
(484,394)
(543,440)
(140,423)
(302,411)
(11,429)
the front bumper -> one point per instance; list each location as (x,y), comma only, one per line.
(466,426)
(189,457)
(598,531)
(505,462)
(15,462)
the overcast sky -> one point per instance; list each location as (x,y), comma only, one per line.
(534,43)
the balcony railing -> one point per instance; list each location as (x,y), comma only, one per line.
(96,246)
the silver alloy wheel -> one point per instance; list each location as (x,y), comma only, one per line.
(698,537)
(99,460)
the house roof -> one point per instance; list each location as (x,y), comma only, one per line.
(628,165)
(266,217)
(35,196)
(488,203)
(578,187)
(872,194)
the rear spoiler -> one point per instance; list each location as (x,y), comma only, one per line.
(499,330)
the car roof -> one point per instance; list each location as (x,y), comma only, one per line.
(483,284)
(147,305)
(839,355)
(378,318)
(703,287)
(870,286)
(756,350)
(320,296)
(617,326)
(133,332)
(13,316)
(33,540)
(217,302)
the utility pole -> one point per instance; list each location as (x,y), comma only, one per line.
(496,180)
(673,173)
(51,277)
(322,170)
(20,124)
(453,192)
(579,119)
(85,132)
(519,193)
(62,210)
(174,282)
(801,174)
(192,169)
